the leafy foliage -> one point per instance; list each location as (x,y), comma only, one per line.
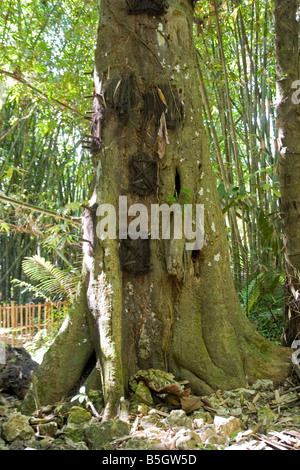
(53,283)
(46,50)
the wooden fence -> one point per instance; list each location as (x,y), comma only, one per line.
(20,323)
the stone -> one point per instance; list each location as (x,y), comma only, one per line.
(238,392)
(19,444)
(227,426)
(79,415)
(3,446)
(64,408)
(60,444)
(15,375)
(138,443)
(158,378)
(217,441)
(296,421)
(266,416)
(143,409)
(100,435)
(48,429)
(81,446)
(236,447)
(151,419)
(264,385)
(236,411)
(178,419)
(17,428)
(205,415)
(142,395)
(186,439)
(198,423)
(79,419)
(46,442)
(205,432)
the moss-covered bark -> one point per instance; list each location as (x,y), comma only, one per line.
(65,361)
(183,315)
(288,111)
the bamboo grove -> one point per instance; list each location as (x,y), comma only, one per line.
(45,81)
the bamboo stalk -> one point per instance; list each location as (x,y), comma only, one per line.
(13,322)
(1,322)
(39,321)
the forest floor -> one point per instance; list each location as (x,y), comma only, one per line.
(260,417)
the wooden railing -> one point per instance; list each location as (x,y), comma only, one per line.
(20,323)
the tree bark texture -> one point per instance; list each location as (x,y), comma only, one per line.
(288,116)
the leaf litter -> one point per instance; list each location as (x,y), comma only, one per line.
(257,417)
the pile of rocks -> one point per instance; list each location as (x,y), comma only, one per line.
(227,420)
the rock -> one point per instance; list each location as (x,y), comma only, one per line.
(201,419)
(17,428)
(295,421)
(151,419)
(138,443)
(3,446)
(236,412)
(236,447)
(79,419)
(142,395)
(217,441)
(178,419)
(81,446)
(48,429)
(143,409)
(46,442)
(205,415)
(158,378)
(15,375)
(264,385)
(265,415)
(100,435)
(227,426)
(79,415)
(238,392)
(205,432)
(186,439)
(60,444)
(198,423)
(64,408)
(19,444)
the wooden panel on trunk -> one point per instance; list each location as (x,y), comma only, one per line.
(152,7)
(135,255)
(143,174)
(120,95)
(167,99)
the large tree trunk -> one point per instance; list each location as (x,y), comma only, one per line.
(182,314)
(288,111)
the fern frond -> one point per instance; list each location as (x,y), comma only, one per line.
(53,282)
(30,288)
(263,285)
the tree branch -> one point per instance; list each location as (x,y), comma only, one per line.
(38,209)
(22,80)
(17,228)
(17,123)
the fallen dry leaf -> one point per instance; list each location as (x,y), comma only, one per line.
(191,403)
(162,137)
